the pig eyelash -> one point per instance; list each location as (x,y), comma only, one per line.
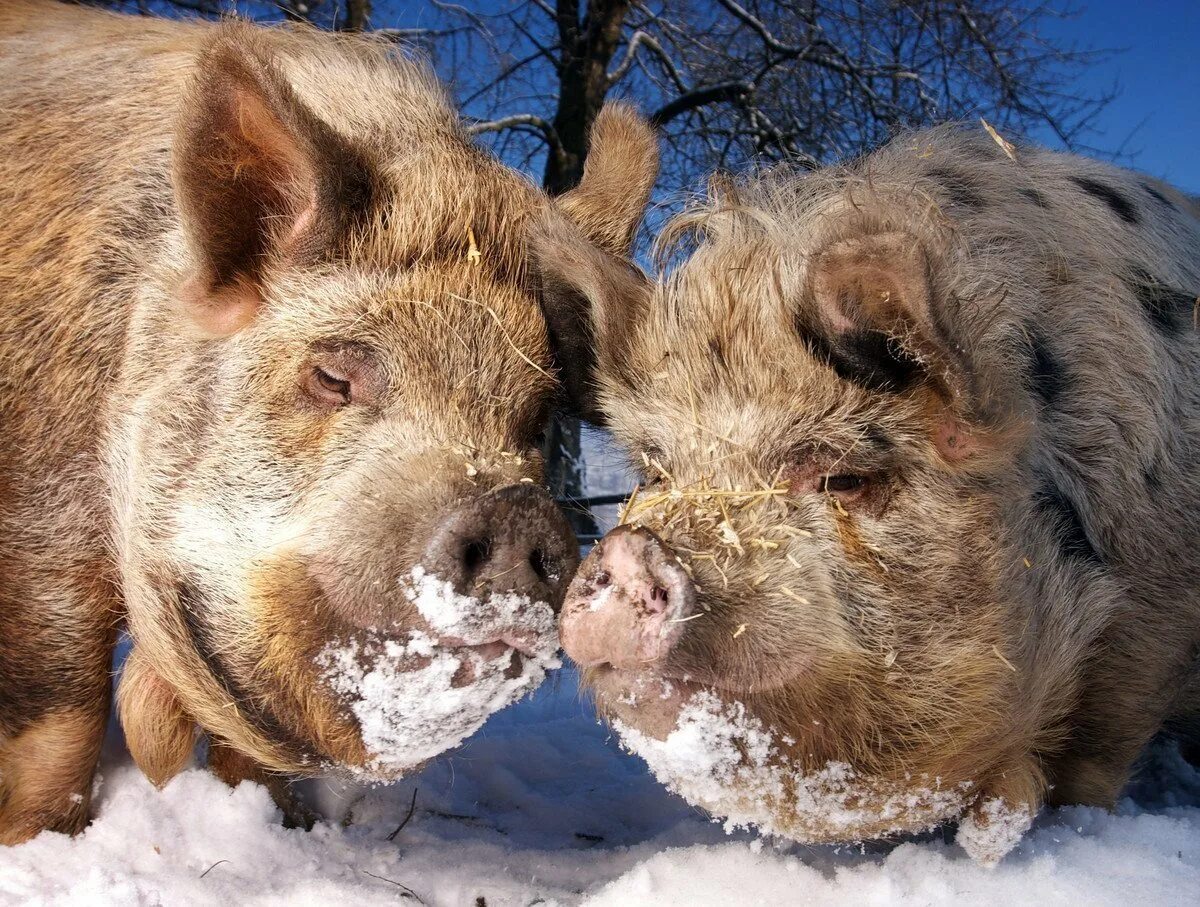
(329,388)
(341,372)
(868,493)
(844,483)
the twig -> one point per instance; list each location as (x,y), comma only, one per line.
(411,808)
(407,892)
(211,868)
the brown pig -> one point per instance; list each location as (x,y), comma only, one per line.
(272,372)
(918,534)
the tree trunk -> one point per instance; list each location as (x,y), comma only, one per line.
(357,13)
(587,49)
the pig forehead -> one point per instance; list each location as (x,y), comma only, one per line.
(733,420)
(436,325)
(447,203)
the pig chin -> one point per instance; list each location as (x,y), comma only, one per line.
(419,676)
(717,754)
(415,699)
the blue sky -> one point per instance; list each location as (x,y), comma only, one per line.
(1158,72)
(1154,121)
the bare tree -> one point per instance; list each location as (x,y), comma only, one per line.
(340,15)
(733,80)
(727,81)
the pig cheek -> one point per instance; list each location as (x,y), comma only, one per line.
(646,701)
(298,625)
(346,595)
(772,636)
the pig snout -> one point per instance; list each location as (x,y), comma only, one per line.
(628,604)
(510,541)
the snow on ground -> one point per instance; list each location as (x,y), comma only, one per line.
(542,807)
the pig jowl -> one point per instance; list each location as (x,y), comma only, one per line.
(915,538)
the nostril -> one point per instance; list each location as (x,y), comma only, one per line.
(475,555)
(658,599)
(540,564)
(603,578)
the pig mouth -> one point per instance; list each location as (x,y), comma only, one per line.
(412,699)
(499,652)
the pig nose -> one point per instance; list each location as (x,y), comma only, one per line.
(628,603)
(513,539)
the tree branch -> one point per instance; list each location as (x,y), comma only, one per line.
(539,124)
(700,97)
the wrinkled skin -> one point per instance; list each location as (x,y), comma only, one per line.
(272,353)
(904,505)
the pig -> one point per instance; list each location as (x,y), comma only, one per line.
(272,376)
(916,541)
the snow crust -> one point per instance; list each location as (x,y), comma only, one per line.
(723,759)
(404,695)
(542,807)
(408,714)
(475,620)
(992,829)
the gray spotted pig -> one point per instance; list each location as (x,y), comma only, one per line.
(917,539)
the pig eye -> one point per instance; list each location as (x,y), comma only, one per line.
(329,387)
(843,483)
(340,372)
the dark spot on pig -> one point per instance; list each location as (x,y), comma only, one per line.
(1034,196)
(1120,205)
(1158,196)
(1057,508)
(878,438)
(1167,308)
(956,186)
(255,710)
(1046,376)
(1152,478)
(717,348)
(869,359)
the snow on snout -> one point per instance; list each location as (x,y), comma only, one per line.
(403,694)
(475,620)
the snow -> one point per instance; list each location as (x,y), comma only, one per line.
(416,699)
(542,806)
(473,620)
(992,830)
(408,708)
(721,758)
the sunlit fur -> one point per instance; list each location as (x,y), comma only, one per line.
(943,625)
(163,466)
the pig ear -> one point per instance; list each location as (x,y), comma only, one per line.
(878,323)
(618,174)
(258,177)
(592,301)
